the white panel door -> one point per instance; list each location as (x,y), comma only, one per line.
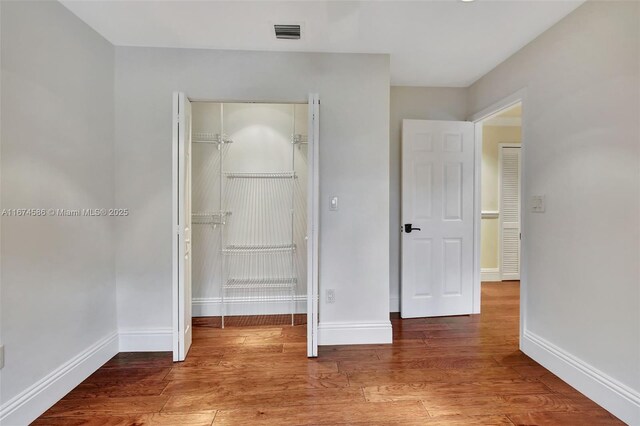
(182,222)
(437,202)
(313,214)
(509,211)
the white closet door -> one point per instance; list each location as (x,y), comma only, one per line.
(182,223)
(313,214)
(437,201)
(510,211)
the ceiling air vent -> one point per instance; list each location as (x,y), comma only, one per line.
(287,32)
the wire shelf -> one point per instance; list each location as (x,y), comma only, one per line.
(275,175)
(248,249)
(249,283)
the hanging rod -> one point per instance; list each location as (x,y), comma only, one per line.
(214,138)
(276,175)
(242,283)
(269,248)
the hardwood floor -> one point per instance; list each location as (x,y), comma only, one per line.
(463,370)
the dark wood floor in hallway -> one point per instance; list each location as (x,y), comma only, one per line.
(439,371)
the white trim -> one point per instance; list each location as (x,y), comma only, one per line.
(477,222)
(490,214)
(394,304)
(212,306)
(39,397)
(490,274)
(501,105)
(146,340)
(175,229)
(349,333)
(504,121)
(606,391)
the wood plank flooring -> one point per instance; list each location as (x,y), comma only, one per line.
(463,370)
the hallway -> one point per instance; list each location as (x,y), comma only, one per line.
(439,371)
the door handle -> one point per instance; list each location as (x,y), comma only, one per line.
(408,228)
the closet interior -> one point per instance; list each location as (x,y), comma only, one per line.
(249,218)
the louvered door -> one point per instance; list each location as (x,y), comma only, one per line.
(510,211)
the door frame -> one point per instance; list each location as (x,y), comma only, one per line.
(501,146)
(313,223)
(520,96)
(313,211)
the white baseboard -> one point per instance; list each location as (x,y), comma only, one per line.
(146,340)
(38,398)
(394,304)
(349,333)
(490,274)
(616,397)
(211,307)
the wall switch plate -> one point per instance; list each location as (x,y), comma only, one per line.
(331,296)
(333,203)
(537,203)
(1,356)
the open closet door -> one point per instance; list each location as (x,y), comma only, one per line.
(313,215)
(182,226)
(437,218)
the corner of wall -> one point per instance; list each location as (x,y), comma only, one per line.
(29,404)
(614,396)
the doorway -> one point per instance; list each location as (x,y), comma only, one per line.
(244,184)
(501,195)
(443,223)
(500,149)
(249,184)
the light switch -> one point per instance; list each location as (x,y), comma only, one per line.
(333,203)
(537,204)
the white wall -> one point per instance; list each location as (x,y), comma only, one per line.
(58,284)
(581,148)
(419,103)
(354,165)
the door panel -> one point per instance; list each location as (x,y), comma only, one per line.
(182,222)
(453,191)
(313,214)
(437,197)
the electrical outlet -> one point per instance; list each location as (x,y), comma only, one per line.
(1,356)
(331,296)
